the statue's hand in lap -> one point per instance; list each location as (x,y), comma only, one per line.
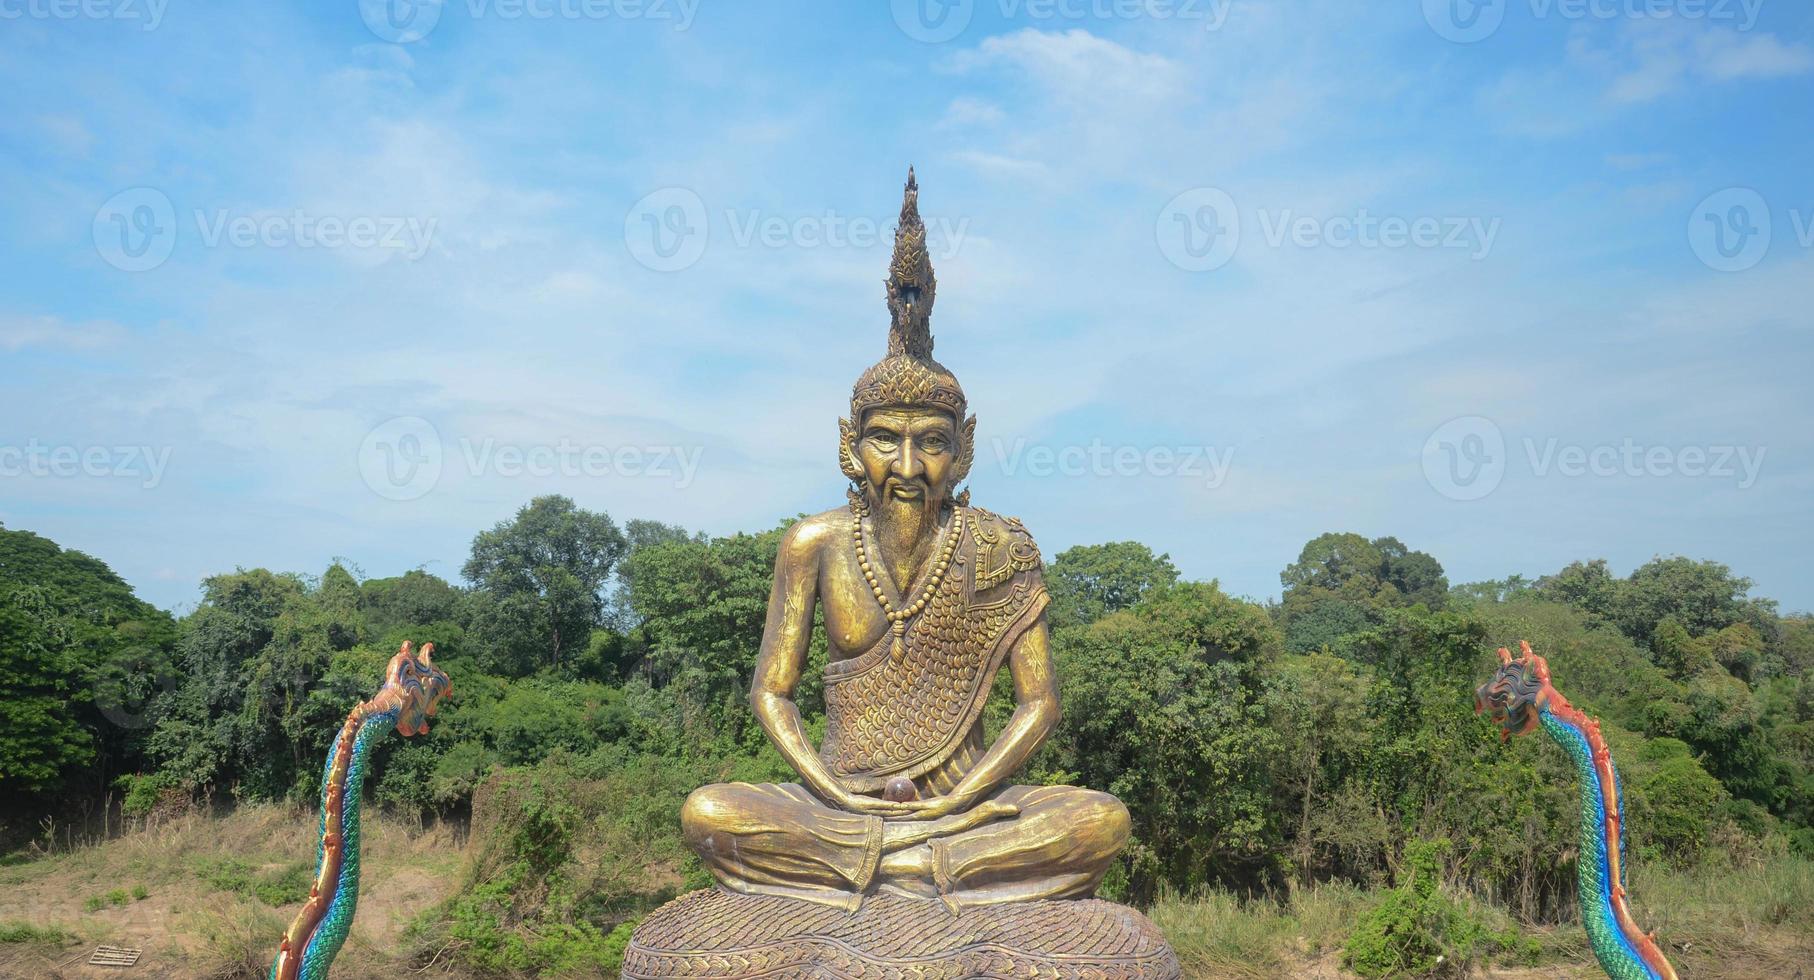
(943,806)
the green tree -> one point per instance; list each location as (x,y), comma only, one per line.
(1087,582)
(544,571)
(81,657)
(1333,562)
(1417,577)
(41,673)
(415,598)
(1588,586)
(1704,596)
(1343,583)
(1318,705)
(702,606)
(1164,707)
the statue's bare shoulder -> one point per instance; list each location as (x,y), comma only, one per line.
(804,544)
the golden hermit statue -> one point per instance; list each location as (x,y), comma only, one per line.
(925,598)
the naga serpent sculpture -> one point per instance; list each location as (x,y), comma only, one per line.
(412,686)
(1519,699)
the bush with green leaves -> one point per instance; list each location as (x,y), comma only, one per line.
(1418,931)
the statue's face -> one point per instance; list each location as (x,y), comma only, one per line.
(908,455)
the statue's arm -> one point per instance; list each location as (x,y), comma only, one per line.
(785,640)
(1035,715)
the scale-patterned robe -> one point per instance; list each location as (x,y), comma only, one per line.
(919,716)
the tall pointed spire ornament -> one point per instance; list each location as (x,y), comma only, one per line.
(911,284)
(908,375)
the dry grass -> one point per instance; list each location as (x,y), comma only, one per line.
(1219,935)
(1755,921)
(194,923)
(1716,923)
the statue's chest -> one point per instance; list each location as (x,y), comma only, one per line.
(900,709)
(855,619)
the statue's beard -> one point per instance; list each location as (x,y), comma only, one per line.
(905,525)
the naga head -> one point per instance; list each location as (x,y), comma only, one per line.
(1517,694)
(414,685)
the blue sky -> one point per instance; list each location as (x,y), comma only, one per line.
(1519,282)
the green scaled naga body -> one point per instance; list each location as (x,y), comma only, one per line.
(1520,699)
(412,687)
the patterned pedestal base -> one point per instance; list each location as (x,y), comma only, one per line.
(722,936)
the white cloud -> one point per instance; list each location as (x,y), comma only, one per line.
(1608,68)
(1079,68)
(997,165)
(19,333)
(1726,57)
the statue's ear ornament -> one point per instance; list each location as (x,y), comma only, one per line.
(966,452)
(847,451)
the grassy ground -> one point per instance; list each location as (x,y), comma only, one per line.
(1742,924)
(207,898)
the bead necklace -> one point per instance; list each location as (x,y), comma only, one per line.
(898,618)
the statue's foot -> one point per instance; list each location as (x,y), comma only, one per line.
(898,836)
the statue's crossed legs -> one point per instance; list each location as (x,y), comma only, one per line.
(1019,844)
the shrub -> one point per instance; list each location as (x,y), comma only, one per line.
(25,932)
(142,793)
(1417,931)
(273,887)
